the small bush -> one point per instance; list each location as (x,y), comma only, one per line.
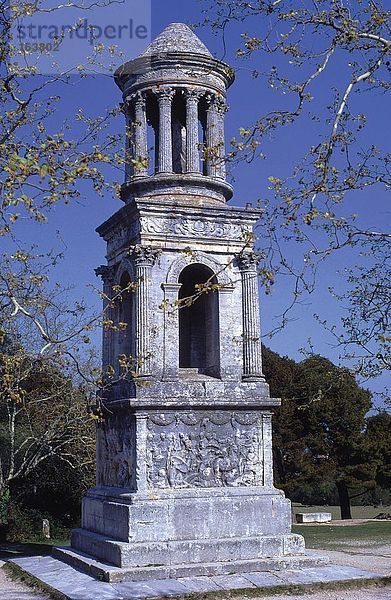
(25,525)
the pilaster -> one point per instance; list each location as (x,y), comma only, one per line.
(252,357)
(108,277)
(144,259)
(267,449)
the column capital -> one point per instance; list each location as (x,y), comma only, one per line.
(247,261)
(145,255)
(107,273)
(216,103)
(192,95)
(164,94)
(210,101)
(221,105)
(139,98)
(136,99)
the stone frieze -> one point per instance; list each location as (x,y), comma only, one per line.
(194,228)
(123,236)
(203,449)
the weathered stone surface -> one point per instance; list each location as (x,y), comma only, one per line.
(317,517)
(177,37)
(188,514)
(106,572)
(184,552)
(204,449)
(184,452)
(200,585)
(232,582)
(116,459)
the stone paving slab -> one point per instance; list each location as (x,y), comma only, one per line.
(75,585)
(263,579)
(136,591)
(166,587)
(200,584)
(232,582)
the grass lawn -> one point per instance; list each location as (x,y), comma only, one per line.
(348,537)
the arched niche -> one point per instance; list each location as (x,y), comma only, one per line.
(199,321)
(219,270)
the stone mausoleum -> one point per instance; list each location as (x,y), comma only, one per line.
(184,453)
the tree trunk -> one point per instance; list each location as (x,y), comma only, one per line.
(344,500)
(279,465)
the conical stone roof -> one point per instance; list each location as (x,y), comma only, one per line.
(177,37)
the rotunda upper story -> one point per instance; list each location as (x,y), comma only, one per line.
(175,103)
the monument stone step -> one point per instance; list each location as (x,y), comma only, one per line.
(107,572)
(159,553)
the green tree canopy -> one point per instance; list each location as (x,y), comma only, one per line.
(320,429)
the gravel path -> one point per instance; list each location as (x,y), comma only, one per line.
(13,590)
(377,560)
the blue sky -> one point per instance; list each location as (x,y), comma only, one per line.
(247,98)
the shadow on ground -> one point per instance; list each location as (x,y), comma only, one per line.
(12,550)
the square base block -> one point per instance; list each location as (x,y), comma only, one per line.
(187,526)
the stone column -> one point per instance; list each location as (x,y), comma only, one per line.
(128,110)
(221,109)
(144,259)
(165,97)
(192,150)
(252,358)
(140,136)
(267,449)
(171,331)
(212,136)
(108,277)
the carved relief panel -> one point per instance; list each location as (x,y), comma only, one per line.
(193,227)
(204,449)
(116,451)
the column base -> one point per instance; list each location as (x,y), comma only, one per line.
(250,378)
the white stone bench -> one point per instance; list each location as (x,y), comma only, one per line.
(315,517)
